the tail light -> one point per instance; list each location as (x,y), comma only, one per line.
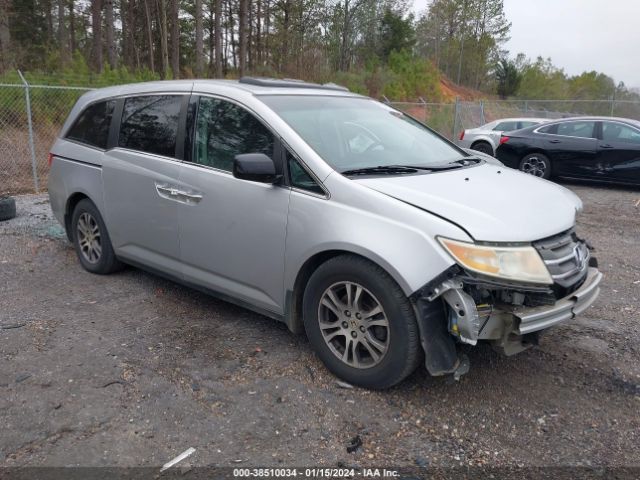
(50,159)
(504,139)
(462,135)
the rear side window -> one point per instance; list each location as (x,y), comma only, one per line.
(576,129)
(92,125)
(527,124)
(506,126)
(224,130)
(551,129)
(150,124)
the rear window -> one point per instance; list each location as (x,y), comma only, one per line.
(150,124)
(92,125)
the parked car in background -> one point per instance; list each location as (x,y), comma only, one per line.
(332,212)
(590,148)
(485,139)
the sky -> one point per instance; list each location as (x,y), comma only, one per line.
(578,35)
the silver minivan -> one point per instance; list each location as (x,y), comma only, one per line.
(334,213)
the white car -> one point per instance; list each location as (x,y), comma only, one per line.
(486,138)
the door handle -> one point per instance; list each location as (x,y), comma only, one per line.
(606,145)
(166,190)
(172,193)
(555,141)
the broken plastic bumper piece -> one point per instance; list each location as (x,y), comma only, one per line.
(538,318)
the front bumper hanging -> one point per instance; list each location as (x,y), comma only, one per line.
(511,327)
(530,320)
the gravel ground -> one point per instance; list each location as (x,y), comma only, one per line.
(131,370)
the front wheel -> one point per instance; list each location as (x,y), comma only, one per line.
(360,323)
(536,164)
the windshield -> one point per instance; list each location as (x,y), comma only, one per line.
(355,133)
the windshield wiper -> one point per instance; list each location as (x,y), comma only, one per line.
(404,169)
(462,162)
(382,169)
(466,161)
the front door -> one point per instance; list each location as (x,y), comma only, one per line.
(619,152)
(232,239)
(139,176)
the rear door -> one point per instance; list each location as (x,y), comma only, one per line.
(571,146)
(140,177)
(232,237)
(619,152)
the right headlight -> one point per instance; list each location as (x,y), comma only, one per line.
(521,264)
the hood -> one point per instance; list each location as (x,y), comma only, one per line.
(493,204)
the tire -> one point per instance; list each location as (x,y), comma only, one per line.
(483,147)
(89,232)
(7,208)
(397,344)
(536,164)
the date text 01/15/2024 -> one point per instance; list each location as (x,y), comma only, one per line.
(314,473)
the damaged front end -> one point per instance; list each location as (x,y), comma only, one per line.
(461,307)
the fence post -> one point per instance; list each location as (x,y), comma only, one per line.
(613,105)
(455,118)
(32,146)
(424,104)
(482,122)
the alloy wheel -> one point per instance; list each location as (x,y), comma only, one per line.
(354,325)
(89,239)
(534,166)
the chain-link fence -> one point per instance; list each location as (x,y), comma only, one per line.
(30,118)
(450,118)
(31,115)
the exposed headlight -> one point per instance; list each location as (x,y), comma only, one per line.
(510,263)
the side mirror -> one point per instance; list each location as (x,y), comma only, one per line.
(255,167)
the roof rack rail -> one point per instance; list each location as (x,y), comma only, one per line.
(289,83)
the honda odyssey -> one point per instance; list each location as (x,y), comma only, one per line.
(334,213)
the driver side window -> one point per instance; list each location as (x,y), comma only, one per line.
(224,130)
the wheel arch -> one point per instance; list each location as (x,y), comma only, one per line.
(70,206)
(295,293)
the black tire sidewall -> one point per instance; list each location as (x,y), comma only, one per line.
(544,158)
(483,147)
(107,262)
(400,359)
(7,208)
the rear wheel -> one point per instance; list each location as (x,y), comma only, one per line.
(360,323)
(483,147)
(91,240)
(536,164)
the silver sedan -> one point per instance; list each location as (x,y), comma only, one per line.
(486,138)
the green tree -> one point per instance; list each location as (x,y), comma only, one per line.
(396,33)
(508,78)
